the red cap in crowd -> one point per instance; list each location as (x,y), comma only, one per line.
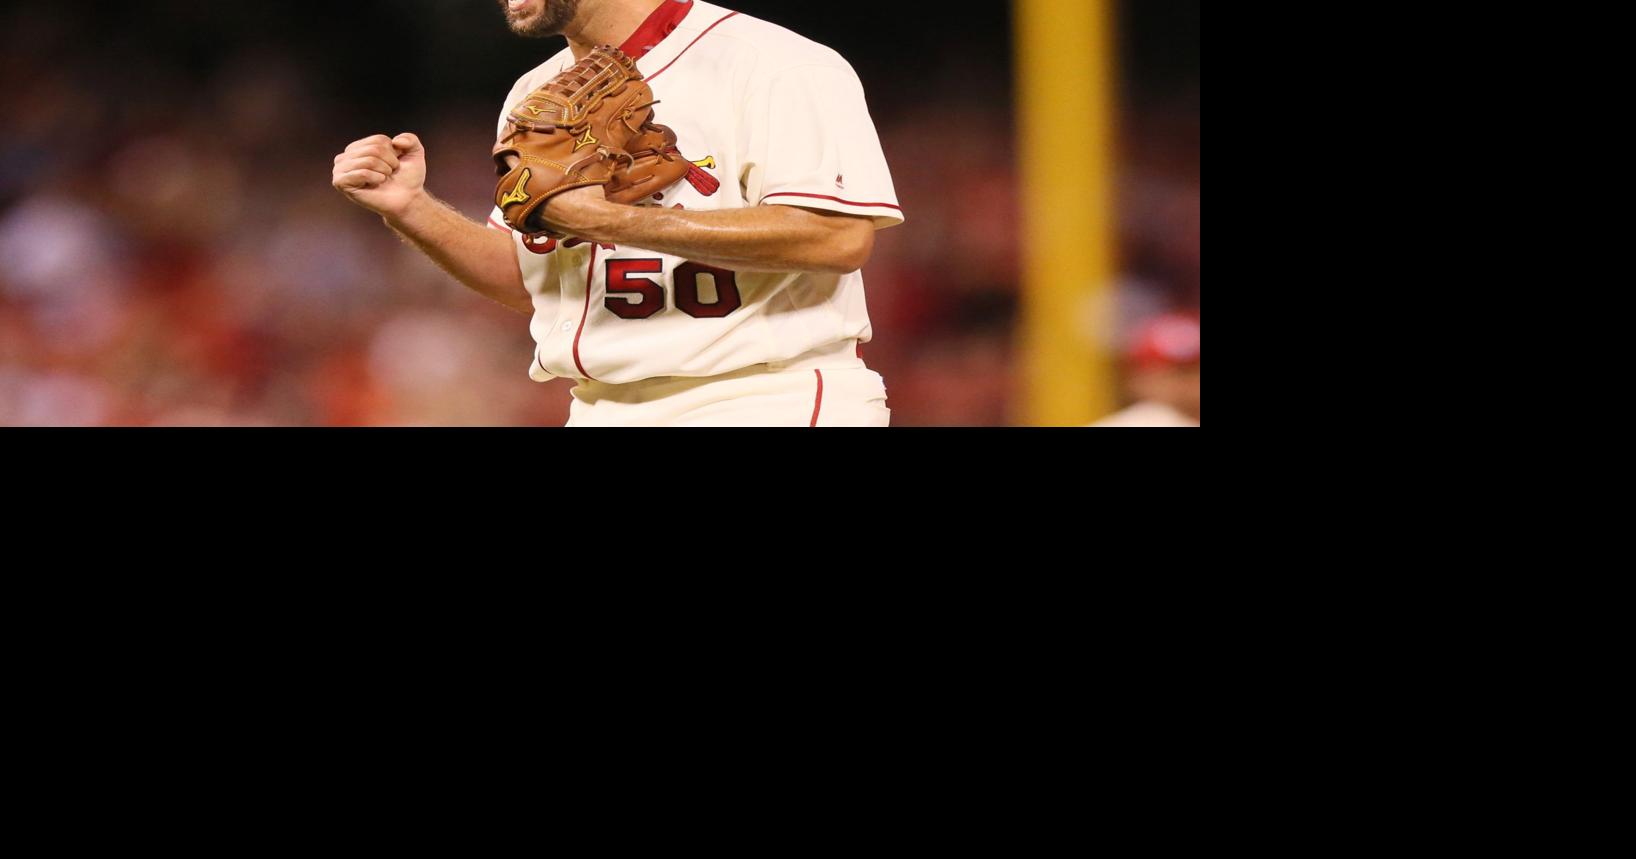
(1171,340)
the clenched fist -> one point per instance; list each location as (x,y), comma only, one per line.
(382,174)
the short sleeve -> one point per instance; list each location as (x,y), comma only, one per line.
(815,146)
(497,221)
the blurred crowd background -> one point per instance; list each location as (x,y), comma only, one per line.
(171,252)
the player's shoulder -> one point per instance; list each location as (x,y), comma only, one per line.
(532,80)
(541,74)
(773,48)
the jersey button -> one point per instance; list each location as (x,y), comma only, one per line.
(567,327)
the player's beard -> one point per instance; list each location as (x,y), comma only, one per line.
(539,19)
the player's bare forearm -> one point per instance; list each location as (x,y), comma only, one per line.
(764,238)
(387,176)
(483,259)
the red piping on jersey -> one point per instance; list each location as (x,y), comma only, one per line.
(690,46)
(835,200)
(660,24)
(590,280)
(819,405)
(497,225)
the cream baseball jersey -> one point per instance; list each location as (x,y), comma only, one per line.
(768,118)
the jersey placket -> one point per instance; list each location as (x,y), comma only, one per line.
(576,329)
(557,355)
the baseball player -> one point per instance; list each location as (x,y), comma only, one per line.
(730,297)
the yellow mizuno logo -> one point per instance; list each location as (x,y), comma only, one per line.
(707,164)
(518,194)
(585,141)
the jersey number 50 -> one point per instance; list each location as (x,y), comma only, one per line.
(651,296)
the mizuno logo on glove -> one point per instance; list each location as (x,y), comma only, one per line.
(518,194)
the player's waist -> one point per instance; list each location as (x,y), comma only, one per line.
(845,355)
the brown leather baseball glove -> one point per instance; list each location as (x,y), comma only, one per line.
(591,125)
(656,164)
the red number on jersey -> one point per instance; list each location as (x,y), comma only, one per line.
(688,299)
(621,283)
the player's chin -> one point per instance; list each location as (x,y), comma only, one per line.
(522,12)
(539,18)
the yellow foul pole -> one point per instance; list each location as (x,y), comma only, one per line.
(1065,89)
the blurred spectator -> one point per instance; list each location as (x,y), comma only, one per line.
(1162,376)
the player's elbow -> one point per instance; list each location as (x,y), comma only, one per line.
(850,246)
